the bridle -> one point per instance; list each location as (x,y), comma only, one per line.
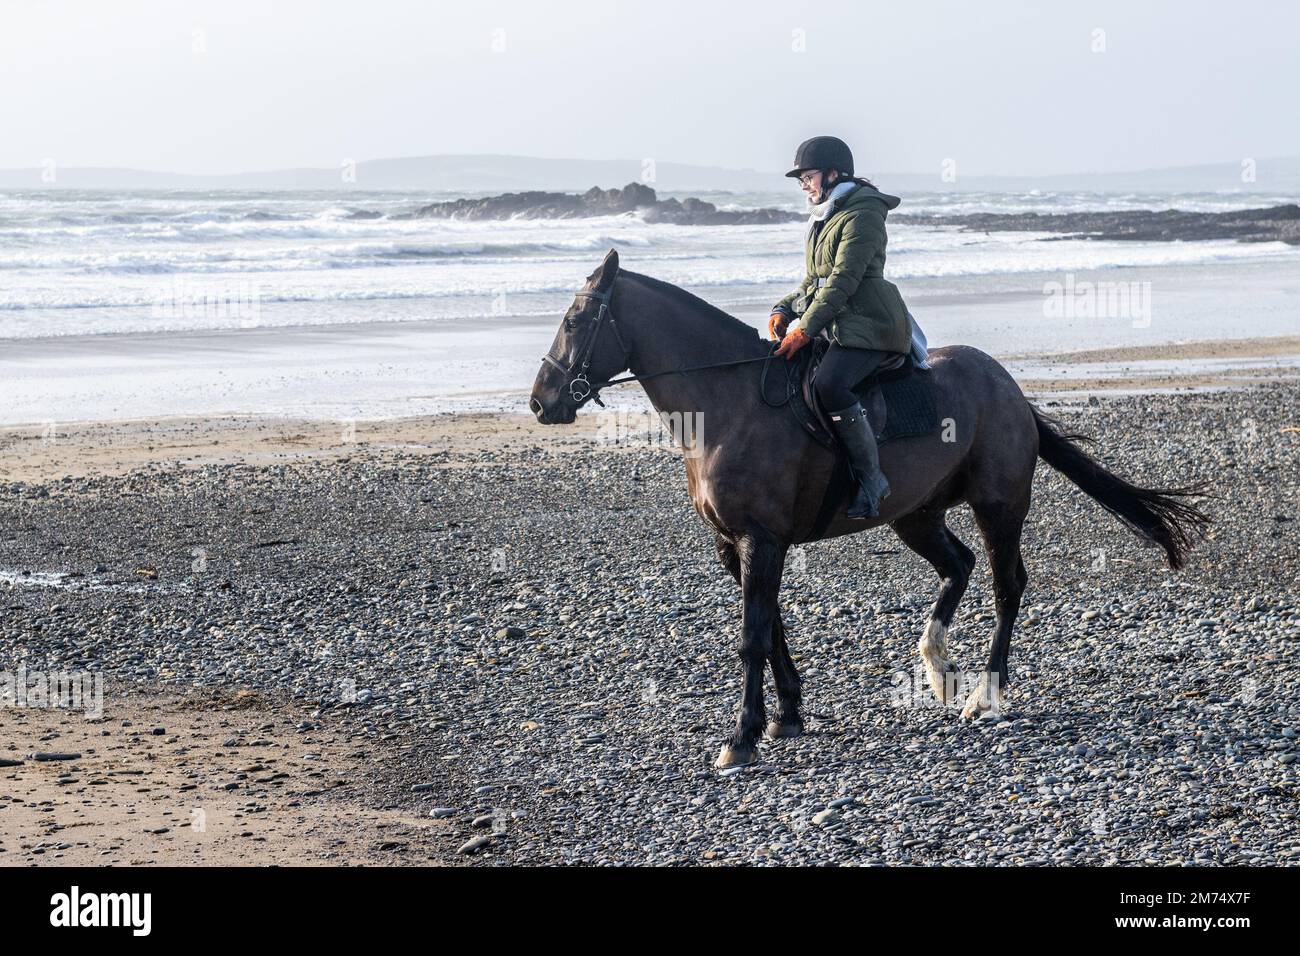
(581,388)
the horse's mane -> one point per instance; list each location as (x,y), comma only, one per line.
(724,320)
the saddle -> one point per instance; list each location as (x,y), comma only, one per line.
(899,401)
(898,398)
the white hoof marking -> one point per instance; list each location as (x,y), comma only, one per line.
(940,671)
(986,698)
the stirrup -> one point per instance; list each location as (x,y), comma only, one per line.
(864,504)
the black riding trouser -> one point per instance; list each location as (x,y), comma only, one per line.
(841,369)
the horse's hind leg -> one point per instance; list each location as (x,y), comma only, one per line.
(926,533)
(1001,525)
(786,722)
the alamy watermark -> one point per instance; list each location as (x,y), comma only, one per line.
(183,299)
(683,430)
(71,690)
(912,689)
(1073,299)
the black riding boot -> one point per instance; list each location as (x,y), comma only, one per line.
(855,434)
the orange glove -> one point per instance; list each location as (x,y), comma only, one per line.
(776,325)
(792,343)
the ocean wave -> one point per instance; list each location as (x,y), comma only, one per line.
(137,322)
(736,272)
(293,258)
(232,291)
(449,233)
(60,260)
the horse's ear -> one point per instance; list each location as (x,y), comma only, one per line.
(604,275)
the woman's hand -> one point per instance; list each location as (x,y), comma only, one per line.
(792,343)
(776,325)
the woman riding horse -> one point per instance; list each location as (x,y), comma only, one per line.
(845,298)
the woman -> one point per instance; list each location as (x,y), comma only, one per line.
(845,298)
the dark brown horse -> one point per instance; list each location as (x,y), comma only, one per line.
(758,479)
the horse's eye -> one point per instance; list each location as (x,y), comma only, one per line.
(569,324)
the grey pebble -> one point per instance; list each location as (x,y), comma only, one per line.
(475,845)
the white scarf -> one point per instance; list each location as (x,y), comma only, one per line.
(821,211)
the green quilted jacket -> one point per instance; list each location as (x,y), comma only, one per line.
(845,287)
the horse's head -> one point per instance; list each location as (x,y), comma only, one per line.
(588,350)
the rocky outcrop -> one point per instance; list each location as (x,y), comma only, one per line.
(602,202)
(1276,223)
(697,212)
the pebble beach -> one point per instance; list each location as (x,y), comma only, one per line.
(517,642)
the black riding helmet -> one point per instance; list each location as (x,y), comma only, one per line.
(823,152)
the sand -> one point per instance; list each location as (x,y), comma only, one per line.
(81,448)
(184,797)
(1281,345)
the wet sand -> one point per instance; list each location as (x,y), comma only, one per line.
(234,778)
(1275,346)
(1179,366)
(58,449)
(385,370)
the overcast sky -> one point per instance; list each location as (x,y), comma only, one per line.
(1001,87)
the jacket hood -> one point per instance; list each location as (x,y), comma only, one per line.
(868,194)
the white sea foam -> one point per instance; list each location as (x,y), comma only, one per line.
(106,258)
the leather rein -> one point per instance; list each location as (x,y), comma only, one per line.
(581,388)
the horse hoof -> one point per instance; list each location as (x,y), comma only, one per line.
(735,757)
(986,700)
(776,730)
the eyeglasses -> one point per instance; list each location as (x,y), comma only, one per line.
(807,178)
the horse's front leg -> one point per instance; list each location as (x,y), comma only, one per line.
(762,558)
(786,722)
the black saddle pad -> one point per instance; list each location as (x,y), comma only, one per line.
(909,405)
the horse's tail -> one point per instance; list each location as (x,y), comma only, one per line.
(1155,514)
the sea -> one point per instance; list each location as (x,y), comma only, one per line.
(91,263)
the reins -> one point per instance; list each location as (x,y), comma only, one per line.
(581,388)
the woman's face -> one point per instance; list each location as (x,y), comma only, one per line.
(811,182)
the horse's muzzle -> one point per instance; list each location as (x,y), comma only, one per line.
(561,413)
